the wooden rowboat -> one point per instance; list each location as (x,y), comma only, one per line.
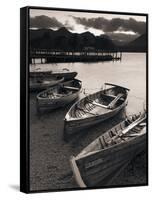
(39,84)
(59,95)
(98,163)
(64,73)
(95,108)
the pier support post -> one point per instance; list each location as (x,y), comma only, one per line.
(34,61)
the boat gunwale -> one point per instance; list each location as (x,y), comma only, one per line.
(110,147)
(53,73)
(40,86)
(76,172)
(115,85)
(116,145)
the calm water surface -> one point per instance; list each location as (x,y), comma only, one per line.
(130,72)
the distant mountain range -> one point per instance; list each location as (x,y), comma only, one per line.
(137,45)
(122,39)
(62,39)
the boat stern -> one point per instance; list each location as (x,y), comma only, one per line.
(68,129)
(76,172)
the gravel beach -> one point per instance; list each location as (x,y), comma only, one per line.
(50,154)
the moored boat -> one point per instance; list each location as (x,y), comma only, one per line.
(59,95)
(38,84)
(98,163)
(64,73)
(95,108)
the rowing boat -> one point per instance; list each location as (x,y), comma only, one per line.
(59,95)
(95,108)
(39,84)
(97,164)
(64,73)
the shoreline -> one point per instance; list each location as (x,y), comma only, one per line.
(50,154)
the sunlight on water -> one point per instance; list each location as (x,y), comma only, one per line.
(130,72)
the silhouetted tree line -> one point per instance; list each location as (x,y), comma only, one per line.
(64,40)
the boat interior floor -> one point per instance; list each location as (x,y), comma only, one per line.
(57,93)
(95,107)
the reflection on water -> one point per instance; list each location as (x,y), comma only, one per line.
(130,72)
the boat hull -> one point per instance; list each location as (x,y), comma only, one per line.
(37,87)
(95,108)
(74,126)
(99,163)
(65,75)
(98,169)
(53,103)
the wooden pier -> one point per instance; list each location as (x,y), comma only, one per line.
(51,56)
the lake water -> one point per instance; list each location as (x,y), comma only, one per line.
(130,72)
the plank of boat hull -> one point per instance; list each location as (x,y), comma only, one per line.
(96,173)
(110,154)
(109,180)
(108,163)
(86,112)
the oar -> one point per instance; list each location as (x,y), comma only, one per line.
(71,88)
(131,126)
(135,134)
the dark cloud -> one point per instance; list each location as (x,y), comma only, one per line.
(43,21)
(112,25)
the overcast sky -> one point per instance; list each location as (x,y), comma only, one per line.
(96,23)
